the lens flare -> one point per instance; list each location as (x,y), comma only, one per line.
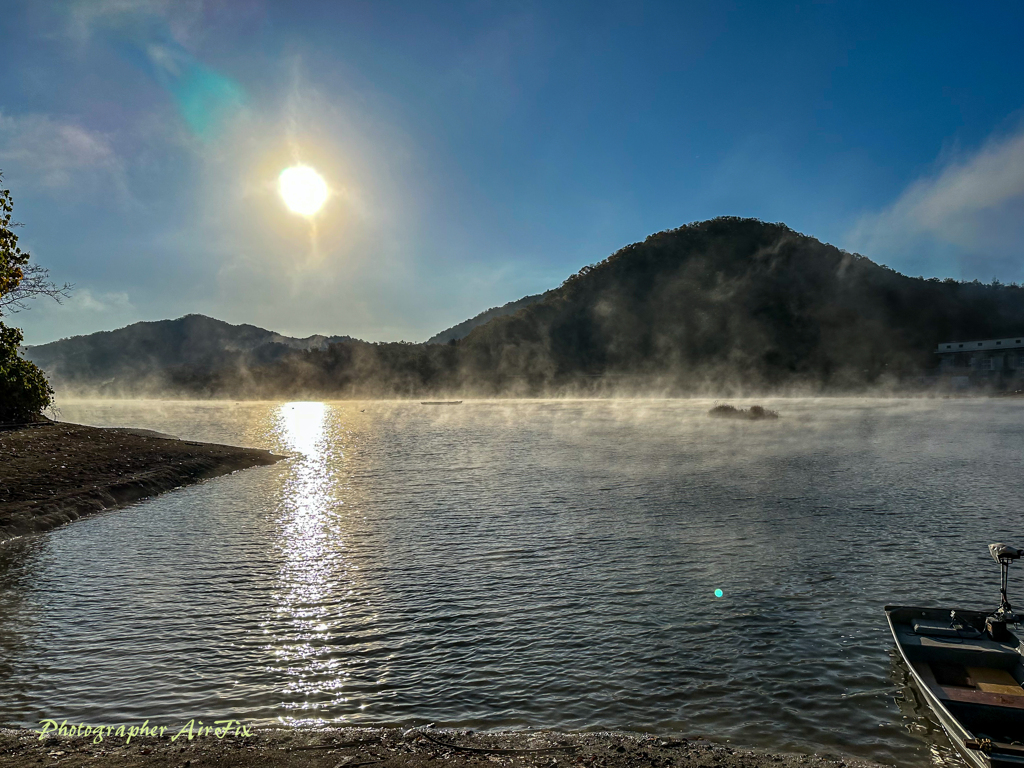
(303,190)
(719,593)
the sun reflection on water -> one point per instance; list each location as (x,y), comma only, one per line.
(316,583)
(302,427)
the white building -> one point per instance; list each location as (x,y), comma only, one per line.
(987,357)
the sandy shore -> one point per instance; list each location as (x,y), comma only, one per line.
(393,747)
(53,473)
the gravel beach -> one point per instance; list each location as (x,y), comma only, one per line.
(52,473)
(394,747)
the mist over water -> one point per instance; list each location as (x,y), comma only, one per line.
(524,564)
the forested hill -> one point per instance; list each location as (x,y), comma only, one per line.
(143,355)
(739,302)
(715,307)
(462,330)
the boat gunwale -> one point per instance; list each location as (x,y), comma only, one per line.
(957,732)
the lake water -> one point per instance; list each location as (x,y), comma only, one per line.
(525,564)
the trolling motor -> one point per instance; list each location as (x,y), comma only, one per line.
(995,624)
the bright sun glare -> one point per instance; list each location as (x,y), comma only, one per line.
(303,190)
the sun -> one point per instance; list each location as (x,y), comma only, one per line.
(303,190)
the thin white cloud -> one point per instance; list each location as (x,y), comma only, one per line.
(182,17)
(52,153)
(970,213)
(85,311)
(187,22)
(164,58)
(111,301)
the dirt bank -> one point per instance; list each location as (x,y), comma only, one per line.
(393,747)
(52,473)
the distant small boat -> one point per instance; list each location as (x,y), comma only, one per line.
(440,402)
(970,668)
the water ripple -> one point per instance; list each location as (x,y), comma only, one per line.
(511,564)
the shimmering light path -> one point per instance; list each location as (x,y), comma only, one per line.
(500,564)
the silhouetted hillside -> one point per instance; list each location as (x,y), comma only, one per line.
(716,307)
(146,355)
(461,330)
(741,304)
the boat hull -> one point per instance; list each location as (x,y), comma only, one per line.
(915,661)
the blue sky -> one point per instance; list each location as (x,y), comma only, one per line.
(478,152)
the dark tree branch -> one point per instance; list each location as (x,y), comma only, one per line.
(35,281)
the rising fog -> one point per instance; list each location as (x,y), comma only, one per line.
(717,309)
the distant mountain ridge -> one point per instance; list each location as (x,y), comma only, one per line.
(463,329)
(151,349)
(717,307)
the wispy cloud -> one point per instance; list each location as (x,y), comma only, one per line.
(966,216)
(53,153)
(182,18)
(85,311)
(110,301)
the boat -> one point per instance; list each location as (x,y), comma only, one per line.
(440,402)
(969,667)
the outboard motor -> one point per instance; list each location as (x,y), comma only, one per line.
(995,624)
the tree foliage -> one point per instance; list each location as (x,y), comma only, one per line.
(24,390)
(12,259)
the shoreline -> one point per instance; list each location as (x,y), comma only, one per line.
(53,473)
(390,747)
